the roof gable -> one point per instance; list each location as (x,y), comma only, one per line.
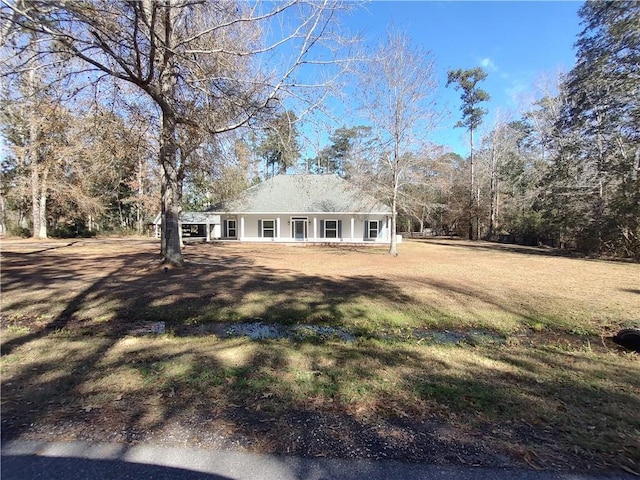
(303,194)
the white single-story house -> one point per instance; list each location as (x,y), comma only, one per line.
(293,208)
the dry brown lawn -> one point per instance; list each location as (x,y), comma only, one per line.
(553,392)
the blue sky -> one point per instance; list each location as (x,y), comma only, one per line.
(515,41)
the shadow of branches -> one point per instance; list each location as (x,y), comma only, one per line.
(79,373)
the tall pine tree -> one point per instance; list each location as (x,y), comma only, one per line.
(472,113)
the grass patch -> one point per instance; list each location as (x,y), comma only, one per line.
(554,386)
(588,401)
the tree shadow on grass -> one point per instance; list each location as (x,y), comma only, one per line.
(520,249)
(499,247)
(95,301)
(632,290)
(129,289)
(86,378)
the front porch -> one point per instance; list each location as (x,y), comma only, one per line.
(286,228)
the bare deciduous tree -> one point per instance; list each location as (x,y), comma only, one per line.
(206,67)
(398,88)
(418,197)
(34,129)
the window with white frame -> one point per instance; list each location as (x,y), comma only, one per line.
(330,229)
(372,229)
(268,228)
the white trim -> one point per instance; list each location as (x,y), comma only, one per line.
(301,213)
(368,227)
(226,222)
(337,229)
(305,227)
(261,232)
(340,241)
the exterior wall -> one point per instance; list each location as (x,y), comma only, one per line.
(352,228)
(215,231)
(223,229)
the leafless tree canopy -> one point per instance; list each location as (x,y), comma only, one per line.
(206,67)
(398,88)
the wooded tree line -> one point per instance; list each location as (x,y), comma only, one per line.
(566,173)
(117,110)
(198,71)
(69,173)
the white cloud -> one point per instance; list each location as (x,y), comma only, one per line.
(516,91)
(487,63)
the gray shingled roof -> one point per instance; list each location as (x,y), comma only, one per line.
(303,194)
(198,217)
(192,217)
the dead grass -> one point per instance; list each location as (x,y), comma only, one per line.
(556,394)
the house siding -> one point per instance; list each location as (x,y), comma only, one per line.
(288,200)
(352,228)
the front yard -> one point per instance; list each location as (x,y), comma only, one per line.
(454,352)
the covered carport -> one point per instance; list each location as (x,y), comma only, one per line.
(194,226)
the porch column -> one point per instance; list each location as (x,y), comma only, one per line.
(241,228)
(353,228)
(207,227)
(315,228)
(277,228)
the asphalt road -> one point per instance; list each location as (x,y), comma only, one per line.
(76,460)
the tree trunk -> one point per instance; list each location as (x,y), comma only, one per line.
(180,185)
(477,215)
(32,151)
(492,194)
(38,178)
(38,197)
(42,210)
(171,201)
(122,224)
(139,202)
(35,196)
(163,216)
(472,193)
(393,244)
(171,192)
(497,222)
(3,214)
